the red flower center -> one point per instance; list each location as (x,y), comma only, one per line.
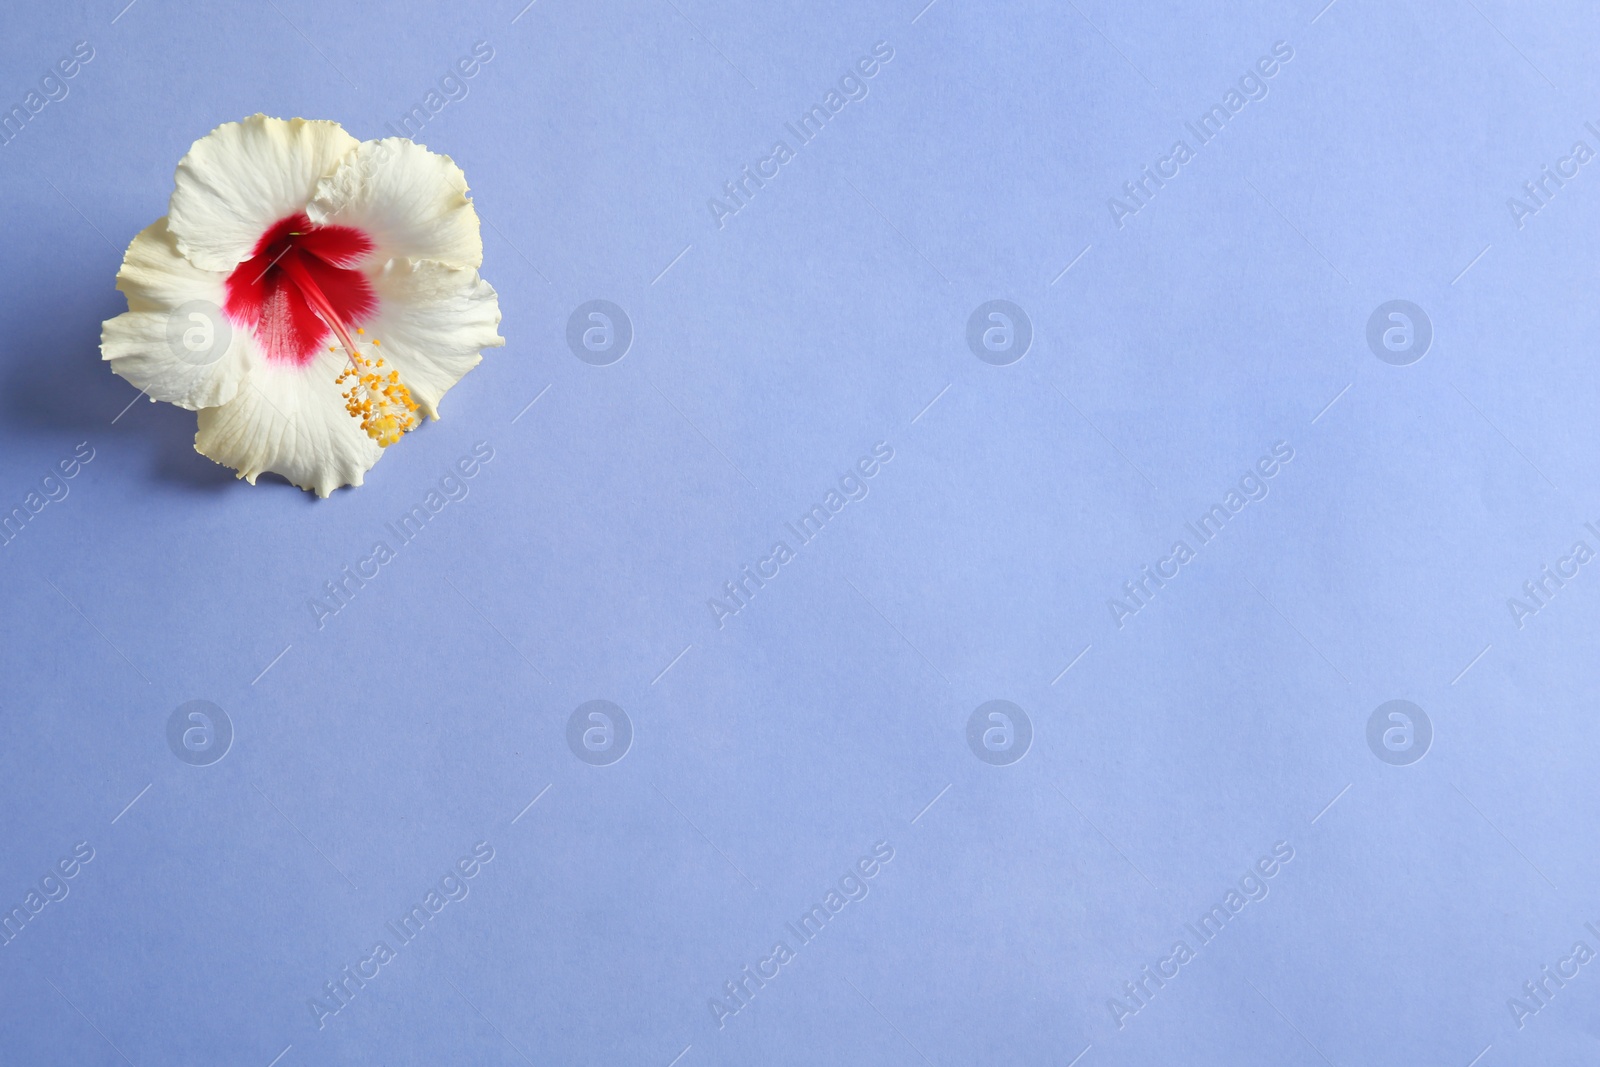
(298,286)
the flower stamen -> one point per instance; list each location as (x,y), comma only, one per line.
(383,405)
(380,401)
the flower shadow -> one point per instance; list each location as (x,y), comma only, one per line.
(57,385)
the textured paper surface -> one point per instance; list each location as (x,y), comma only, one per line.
(1156,478)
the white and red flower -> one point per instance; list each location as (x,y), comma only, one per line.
(307,294)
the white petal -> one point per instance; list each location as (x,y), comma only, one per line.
(154,275)
(290,420)
(432,321)
(242,177)
(410,201)
(174,342)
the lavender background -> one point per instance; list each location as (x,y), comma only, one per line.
(1172,348)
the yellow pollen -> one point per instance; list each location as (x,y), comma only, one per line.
(380,401)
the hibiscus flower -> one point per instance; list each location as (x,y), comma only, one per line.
(308,294)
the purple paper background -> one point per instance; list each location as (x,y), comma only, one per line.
(770,753)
